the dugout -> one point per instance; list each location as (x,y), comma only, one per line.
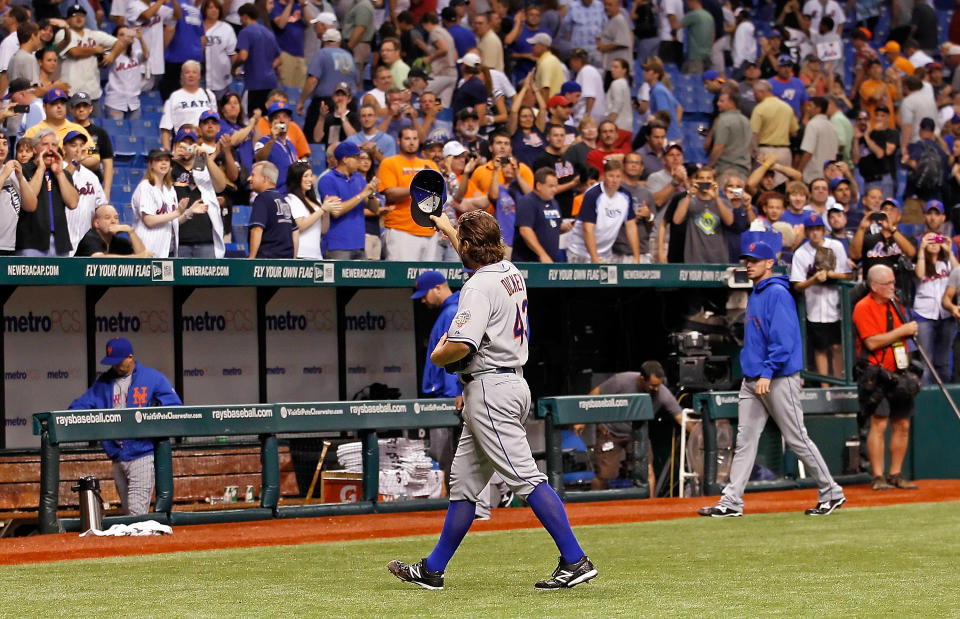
(235,331)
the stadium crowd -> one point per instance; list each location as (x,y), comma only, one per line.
(647,131)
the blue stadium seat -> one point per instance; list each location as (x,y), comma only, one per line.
(125,211)
(128,147)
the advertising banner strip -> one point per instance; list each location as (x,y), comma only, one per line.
(162,422)
(291,273)
(596,409)
(723,404)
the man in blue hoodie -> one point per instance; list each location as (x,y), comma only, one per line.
(127,384)
(772,358)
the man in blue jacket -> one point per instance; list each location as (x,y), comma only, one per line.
(127,384)
(772,358)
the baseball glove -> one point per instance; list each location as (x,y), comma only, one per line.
(825,259)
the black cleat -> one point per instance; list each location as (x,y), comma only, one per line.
(717,511)
(416,573)
(826,508)
(568,575)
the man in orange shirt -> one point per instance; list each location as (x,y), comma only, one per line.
(882,345)
(294,132)
(875,90)
(891,52)
(501,148)
(403,239)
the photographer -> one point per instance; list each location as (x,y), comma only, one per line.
(277,148)
(197,177)
(884,374)
(885,246)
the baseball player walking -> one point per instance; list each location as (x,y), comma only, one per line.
(772,358)
(488,343)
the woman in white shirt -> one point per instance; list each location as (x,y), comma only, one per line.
(156,210)
(221,46)
(619,102)
(312,217)
(936,327)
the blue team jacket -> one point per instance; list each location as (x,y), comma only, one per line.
(437,383)
(148,388)
(771,338)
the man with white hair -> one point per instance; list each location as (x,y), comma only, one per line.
(185,105)
(883,342)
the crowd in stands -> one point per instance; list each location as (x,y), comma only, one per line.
(644,131)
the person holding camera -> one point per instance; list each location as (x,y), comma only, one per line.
(884,374)
(277,147)
(936,327)
(197,176)
(704,211)
(884,244)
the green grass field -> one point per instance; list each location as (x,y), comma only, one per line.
(871,562)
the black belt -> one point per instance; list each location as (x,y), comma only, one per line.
(773,146)
(466,378)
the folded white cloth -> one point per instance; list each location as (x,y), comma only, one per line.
(136,529)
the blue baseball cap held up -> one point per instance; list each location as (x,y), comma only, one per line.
(118,349)
(427,281)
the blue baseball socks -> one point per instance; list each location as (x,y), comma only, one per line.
(548,508)
(544,502)
(459,518)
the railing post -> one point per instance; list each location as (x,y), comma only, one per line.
(163,471)
(269,472)
(710,485)
(554,455)
(641,454)
(49,483)
(371,465)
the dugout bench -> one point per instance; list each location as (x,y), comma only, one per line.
(568,410)
(267,421)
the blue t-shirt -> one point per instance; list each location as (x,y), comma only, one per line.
(794,219)
(262,50)
(661,98)
(347,231)
(520,46)
(385,144)
(506,213)
(471,92)
(272,213)
(528,147)
(283,155)
(186,42)
(331,65)
(544,218)
(437,382)
(290,37)
(793,92)
(463,39)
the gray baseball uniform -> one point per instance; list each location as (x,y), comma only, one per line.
(492,319)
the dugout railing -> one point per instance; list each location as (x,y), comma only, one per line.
(267,421)
(561,412)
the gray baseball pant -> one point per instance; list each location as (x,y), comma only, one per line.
(494,439)
(783,405)
(135,480)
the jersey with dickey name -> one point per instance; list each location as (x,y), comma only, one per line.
(492,318)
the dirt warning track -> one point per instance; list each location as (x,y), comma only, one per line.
(69,546)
